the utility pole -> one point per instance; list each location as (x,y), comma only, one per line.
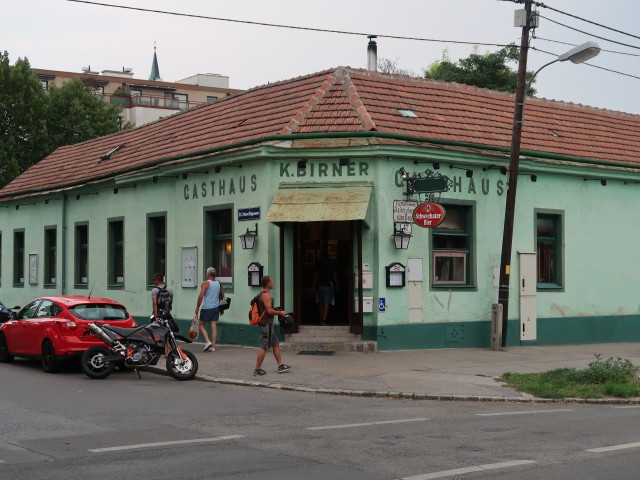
(514,159)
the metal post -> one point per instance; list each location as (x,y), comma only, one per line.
(518,120)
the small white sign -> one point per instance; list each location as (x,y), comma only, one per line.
(403,211)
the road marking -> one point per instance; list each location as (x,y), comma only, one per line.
(384,422)
(164,444)
(614,447)
(474,468)
(629,406)
(523,413)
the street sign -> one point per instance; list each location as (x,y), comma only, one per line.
(403,210)
(428,215)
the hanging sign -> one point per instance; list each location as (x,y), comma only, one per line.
(428,215)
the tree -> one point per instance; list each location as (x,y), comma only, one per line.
(23,126)
(76,115)
(487,70)
(33,124)
(386,65)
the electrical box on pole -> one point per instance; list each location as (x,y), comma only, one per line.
(520,19)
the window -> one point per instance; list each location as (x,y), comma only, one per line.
(219,244)
(45,84)
(82,255)
(549,249)
(157,242)
(451,242)
(50,256)
(116,253)
(211,98)
(18,259)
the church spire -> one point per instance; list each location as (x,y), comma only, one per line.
(155,71)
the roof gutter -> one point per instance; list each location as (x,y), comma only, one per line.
(295,136)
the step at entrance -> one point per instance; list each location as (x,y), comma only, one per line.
(325,339)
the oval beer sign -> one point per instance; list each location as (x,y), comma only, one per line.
(428,214)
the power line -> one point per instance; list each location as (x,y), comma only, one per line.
(574,45)
(539,4)
(590,64)
(263,24)
(587,33)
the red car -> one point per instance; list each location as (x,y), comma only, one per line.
(52,329)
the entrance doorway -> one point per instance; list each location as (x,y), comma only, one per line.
(332,241)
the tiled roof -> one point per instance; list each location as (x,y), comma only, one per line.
(345,100)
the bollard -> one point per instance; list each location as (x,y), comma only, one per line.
(496,327)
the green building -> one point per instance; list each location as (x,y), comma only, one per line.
(333,164)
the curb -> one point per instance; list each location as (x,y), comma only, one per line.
(407,395)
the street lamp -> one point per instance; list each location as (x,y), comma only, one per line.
(578,54)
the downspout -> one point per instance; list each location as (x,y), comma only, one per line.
(64,245)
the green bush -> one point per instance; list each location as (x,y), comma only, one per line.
(619,370)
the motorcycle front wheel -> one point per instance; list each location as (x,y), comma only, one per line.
(182,369)
(93,365)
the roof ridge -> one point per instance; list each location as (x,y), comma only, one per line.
(309,105)
(353,97)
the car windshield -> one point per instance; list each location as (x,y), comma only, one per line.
(99,311)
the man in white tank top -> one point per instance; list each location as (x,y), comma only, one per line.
(211,292)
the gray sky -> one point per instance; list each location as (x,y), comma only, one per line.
(63,35)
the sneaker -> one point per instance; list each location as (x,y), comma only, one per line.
(259,371)
(207,346)
(212,349)
(283,368)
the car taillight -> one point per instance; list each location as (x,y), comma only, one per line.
(67,326)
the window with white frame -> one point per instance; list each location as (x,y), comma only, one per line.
(451,247)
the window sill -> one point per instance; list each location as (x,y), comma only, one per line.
(542,287)
(81,285)
(18,285)
(49,285)
(456,286)
(115,286)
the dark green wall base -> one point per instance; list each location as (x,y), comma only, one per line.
(551,331)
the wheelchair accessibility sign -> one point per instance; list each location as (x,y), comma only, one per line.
(382,304)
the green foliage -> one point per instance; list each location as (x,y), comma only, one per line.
(33,124)
(489,70)
(603,378)
(23,127)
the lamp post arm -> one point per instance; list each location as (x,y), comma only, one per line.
(526,89)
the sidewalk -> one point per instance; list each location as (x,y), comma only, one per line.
(443,374)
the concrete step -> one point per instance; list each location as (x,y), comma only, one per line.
(329,338)
(358,346)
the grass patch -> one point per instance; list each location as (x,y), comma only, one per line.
(613,377)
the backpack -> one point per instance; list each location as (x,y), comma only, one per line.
(254,312)
(163,299)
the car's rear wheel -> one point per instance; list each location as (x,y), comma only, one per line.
(50,363)
(4,350)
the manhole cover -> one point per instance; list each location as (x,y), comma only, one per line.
(325,353)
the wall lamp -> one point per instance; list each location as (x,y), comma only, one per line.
(400,238)
(248,238)
(603,182)
(302,164)
(534,178)
(217,169)
(503,169)
(436,165)
(344,161)
(467,172)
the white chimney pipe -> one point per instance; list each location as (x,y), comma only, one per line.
(372,54)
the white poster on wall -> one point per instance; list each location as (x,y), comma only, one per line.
(189,266)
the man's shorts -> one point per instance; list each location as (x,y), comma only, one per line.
(268,336)
(210,315)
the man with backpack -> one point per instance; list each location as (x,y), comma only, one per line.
(162,299)
(268,338)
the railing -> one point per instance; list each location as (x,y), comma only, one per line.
(149,101)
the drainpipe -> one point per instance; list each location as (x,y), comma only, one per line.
(372,54)
(64,245)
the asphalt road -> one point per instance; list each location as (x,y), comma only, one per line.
(55,426)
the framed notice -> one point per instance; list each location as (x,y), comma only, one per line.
(33,269)
(189,270)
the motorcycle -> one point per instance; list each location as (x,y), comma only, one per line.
(138,347)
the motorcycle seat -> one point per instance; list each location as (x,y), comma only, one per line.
(121,330)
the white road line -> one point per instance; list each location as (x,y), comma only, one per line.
(163,444)
(473,468)
(614,447)
(628,406)
(523,413)
(384,422)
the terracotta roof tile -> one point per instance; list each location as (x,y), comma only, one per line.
(346,100)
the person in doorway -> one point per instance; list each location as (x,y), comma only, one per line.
(325,281)
(211,292)
(268,338)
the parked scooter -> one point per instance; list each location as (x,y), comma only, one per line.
(136,348)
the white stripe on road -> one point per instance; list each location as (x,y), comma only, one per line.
(614,447)
(164,444)
(384,422)
(474,468)
(523,413)
(628,406)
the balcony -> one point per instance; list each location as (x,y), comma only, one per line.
(150,101)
